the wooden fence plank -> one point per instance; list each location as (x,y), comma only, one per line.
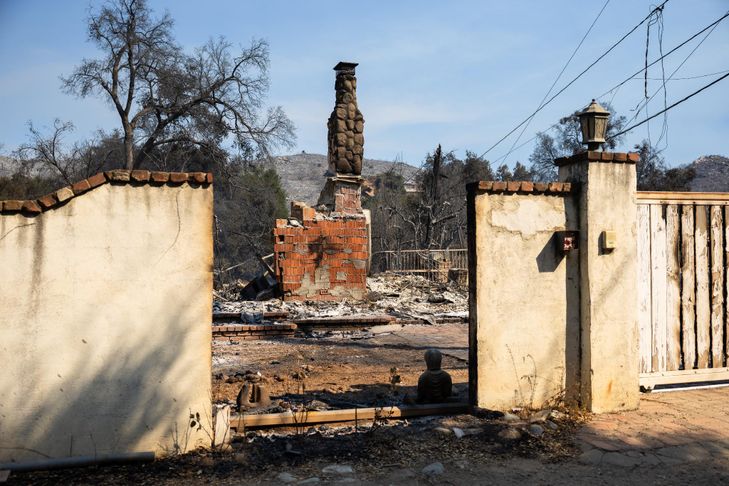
(688,288)
(682,197)
(703,294)
(684,376)
(717,288)
(658,285)
(673,289)
(644,289)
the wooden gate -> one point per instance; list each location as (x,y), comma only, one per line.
(683,250)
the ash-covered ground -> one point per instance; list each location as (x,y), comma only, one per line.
(357,367)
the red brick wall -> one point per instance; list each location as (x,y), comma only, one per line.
(325,259)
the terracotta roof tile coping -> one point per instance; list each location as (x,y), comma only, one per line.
(521,187)
(595,156)
(137,177)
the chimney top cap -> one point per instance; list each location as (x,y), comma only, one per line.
(343,66)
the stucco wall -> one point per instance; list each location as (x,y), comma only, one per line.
(524,299)
(609,312)
(105,323)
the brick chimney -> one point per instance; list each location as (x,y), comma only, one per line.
(345,134)
(325,256)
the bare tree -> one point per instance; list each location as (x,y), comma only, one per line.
(164,96)
(48,156)
(434,216)
(247,206)
(653,175)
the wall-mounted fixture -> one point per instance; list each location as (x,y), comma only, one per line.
(608,240)
(567,241)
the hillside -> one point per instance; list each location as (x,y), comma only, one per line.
(303,175)
(5,166)
(712,174)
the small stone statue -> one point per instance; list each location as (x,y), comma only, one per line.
(434,385)
(257,397)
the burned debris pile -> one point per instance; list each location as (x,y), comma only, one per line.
(390,298)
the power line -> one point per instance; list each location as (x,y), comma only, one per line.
(558,77)
(707,75)
(670,107)
(639,106)
(664,128)
(644,103)
(632,76)
(658,20)
(555,125)
(658,8)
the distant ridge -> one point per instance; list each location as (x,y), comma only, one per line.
(303,175)
(5,166)
(712,174)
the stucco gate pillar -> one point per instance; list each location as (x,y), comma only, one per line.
(605,185)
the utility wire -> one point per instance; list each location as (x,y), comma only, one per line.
(657,20)
(633,76)
(555,125)
(707,75)
(562,90)
(644,103)
(664,129)
(670,107)
(639,106)
(557,78)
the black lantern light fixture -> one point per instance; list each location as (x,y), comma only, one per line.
(593,121)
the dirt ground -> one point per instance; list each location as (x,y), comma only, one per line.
(340,369)
(370,450)
(410,453)
(359,367)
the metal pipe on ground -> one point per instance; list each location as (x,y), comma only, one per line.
(79,461)
(252,421)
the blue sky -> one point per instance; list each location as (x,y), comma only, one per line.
(459,73)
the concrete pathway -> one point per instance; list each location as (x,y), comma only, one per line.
(670,428)
(451,339)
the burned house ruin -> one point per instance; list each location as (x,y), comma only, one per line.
(322,253)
